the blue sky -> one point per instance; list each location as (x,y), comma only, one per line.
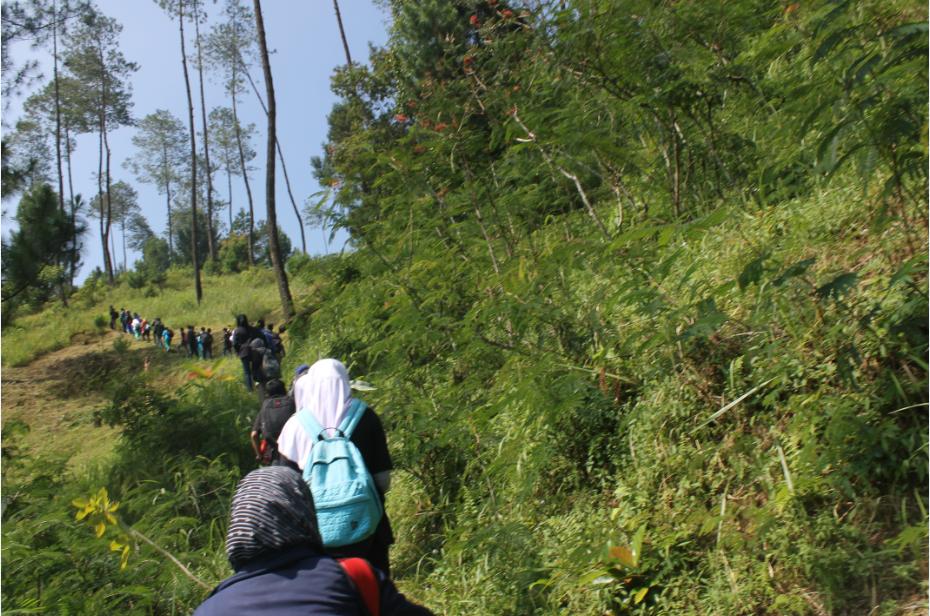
(304,39)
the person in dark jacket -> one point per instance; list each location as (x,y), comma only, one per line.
(274,413)
(325,391)
(241,336)
(274,548)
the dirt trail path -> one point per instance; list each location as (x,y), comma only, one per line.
(55,397)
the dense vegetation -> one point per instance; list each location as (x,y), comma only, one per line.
(642,288)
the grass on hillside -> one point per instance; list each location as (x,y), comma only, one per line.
(253,293)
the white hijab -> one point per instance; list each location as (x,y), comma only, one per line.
(324,390)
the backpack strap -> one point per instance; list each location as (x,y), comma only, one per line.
(353,416)
(366,583)
(309,423)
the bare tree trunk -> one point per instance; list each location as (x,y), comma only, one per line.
(229,191)
(287,303)
(74,246)
(61,179)
(190,114)
(287,181)
(342,32)
(206,139)
(164,158)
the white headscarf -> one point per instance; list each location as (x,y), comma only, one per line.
(325,391)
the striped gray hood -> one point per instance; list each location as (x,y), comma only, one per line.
(272,509)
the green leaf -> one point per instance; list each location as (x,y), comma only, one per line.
(752,272)
(796,269)
(837,287)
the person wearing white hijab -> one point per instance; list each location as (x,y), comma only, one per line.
(326,392)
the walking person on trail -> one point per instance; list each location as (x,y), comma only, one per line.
(123,320)
(208,344)
(136,323)
(299,371)
(274,413)
(274,547)
(186,347)
(191,341)
(166,335)
(200,347)
(227,342)
(157,329)
(241,337)
(113,316)
(144,328)
(326,408)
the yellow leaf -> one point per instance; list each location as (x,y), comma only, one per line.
(80,503)
(640,595)
(99,529)
(114,505)
(110,517)
(115,546)
(124,558)
(623,554)
(102,494)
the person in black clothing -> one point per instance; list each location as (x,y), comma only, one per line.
(191,341)
(227,342)
(326,393)
(241,337)
(274,546)
(113,316)
(208,344)
(275,411)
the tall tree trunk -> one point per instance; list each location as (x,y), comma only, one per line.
(61,179)
(342,32)
(74,247)
(106,147)
(206,139)
(287,181)
(287,303)
(164,158)
(229,192)
(245,178)
(122,233)
(104,239)
(190,114)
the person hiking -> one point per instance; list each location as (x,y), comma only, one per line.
(208,344)
(277,342)
(324,392)
(123,315)
(227,342)
(158,329)
(166,335)
(113,316)
(144,328)
(136,322)
(191,341)
(200,347)
(274,547)
(184,346)
(242,335)
(273,414)
(299,371)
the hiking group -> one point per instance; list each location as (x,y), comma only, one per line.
(192,343)
(308,532)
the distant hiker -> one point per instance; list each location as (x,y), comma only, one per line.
(278,343)
(327,409)
(123,320)
(227,341)
(208,344)
(184,346)
(257,354)
(144,328)
(241,337)
(158,328)
(136,323)
(191,341)
(200,347)
(113,316)
(166,335)
(274,547)
(274,413)
(299,371)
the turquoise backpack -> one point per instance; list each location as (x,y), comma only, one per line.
(347,504)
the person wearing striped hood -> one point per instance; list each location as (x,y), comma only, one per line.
(280,569)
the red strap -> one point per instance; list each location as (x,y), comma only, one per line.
(360,572)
